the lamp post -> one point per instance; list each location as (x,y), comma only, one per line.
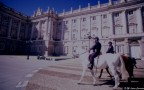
(29,48)
(88,37)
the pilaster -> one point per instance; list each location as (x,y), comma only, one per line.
(124,22)
(99,20)
(19,27)
(126,47)
(9,29)
(32,32)
(46,48)
(111,24)
(139,20)
(39,30)
(62,36)
(141,42)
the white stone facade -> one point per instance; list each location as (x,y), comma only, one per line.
(121,22)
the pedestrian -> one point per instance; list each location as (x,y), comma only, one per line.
(110,50)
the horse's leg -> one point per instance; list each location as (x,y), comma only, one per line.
(83,73)
(116,76)
(109,72)
(93,75)
(100,73)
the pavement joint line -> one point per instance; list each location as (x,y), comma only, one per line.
(25,83)
(35,71)
(29,75)
(40,68)
(19,84)
(22,84)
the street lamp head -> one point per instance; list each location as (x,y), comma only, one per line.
(89,37)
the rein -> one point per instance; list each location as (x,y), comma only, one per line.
(82,53)
(77,56)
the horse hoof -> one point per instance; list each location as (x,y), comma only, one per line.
(94,84)
(114,88)
(78,83)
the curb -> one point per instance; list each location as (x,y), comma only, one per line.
(22,84)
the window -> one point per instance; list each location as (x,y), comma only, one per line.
(74,20)
(59,23)
(130,12)
(116,14)
(66,22)
(104,16)
(94,17)
(84,19)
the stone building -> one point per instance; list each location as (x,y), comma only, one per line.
(49,33)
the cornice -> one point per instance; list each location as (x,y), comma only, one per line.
(109,8)
(12,12)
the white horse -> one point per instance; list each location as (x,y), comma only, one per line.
(113,61)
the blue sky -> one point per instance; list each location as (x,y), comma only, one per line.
(27,7)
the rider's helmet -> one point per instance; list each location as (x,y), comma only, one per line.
(110,43)
(96,38)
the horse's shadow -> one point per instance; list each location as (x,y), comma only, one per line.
(101,82)
(135,82)
(110,83)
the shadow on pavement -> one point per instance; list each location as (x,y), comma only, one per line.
(133,83)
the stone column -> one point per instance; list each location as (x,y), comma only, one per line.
(126,47)
(9,29)
(111,24)
(141,42)
(139,20)
(124,22)
(19,27)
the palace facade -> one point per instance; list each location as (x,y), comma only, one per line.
(48,33)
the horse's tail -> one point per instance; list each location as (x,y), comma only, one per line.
(123,69)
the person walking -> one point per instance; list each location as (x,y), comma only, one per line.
(110,50)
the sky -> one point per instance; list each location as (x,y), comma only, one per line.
(27,7)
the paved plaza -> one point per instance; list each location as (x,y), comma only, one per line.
(18,73)
(65,74)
